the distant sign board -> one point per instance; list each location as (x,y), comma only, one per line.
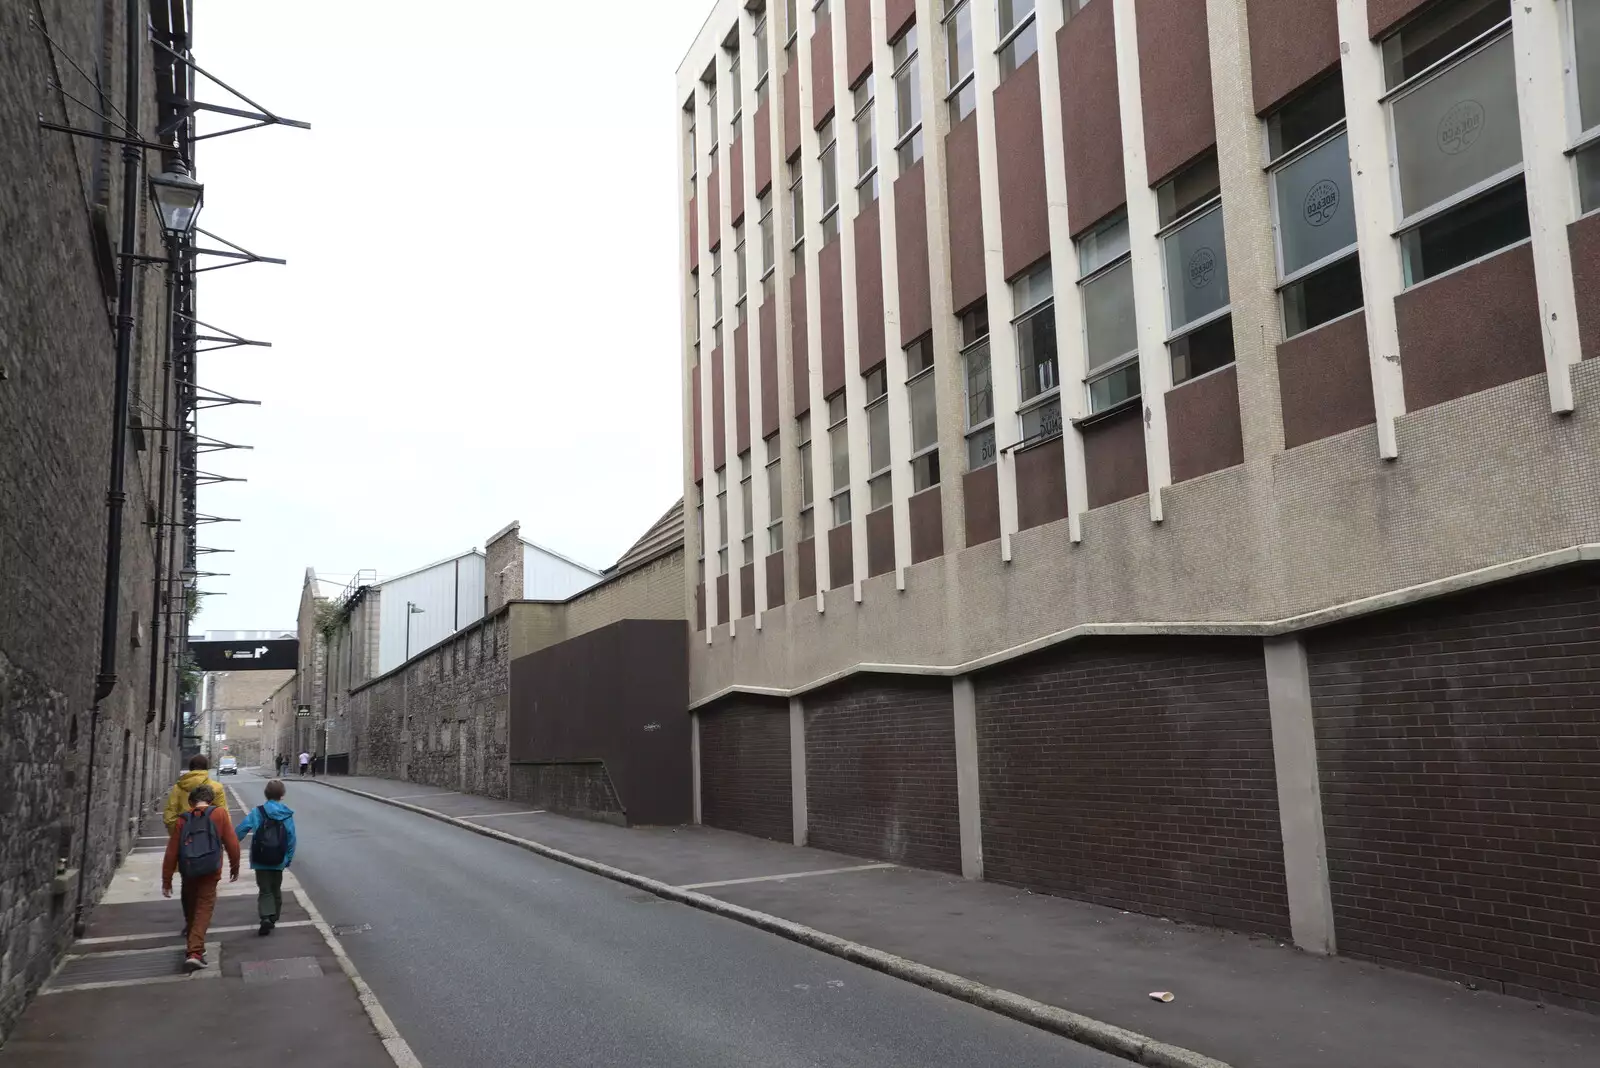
(302,710)
(272,654)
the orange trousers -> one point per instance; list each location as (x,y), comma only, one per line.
(199,901)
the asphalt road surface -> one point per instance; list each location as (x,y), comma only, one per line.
(487,955)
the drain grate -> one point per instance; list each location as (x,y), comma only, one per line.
(351,928)
(261,971)
(129,967)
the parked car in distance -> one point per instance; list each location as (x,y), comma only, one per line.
(228,766)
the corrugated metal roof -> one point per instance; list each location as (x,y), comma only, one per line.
(666,533)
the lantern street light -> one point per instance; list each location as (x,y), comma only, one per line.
(178,198)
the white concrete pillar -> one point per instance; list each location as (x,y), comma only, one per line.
(811,171)
(964,700)
(1382,279)
(702,235)
(1294,751)
(1149,289)
(761,507)
(730,297)
(1542,83)
(797,768)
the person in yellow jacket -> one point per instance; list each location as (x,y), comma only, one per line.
(199,774)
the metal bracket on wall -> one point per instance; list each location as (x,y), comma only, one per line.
(225,339)
(183,109)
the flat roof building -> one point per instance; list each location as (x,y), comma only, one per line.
(1109,423)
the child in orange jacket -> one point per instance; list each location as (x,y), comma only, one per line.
(195,851)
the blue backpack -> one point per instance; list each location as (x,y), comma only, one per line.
(269,841)
(199,845)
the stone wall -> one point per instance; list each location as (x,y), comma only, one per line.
(502,572)
(57,372)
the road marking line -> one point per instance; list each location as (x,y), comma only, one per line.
(106,940)
(399,1051)
(781,878)
(493,815)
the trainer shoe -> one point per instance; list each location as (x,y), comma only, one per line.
(265,929)
(193,962)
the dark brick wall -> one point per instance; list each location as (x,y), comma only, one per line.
(1136,774)
(745,784)
(57,368)
(881,771)
(572,789)
(1459,752)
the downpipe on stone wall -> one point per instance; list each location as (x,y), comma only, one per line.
(116,496)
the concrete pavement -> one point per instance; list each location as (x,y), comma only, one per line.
(1251,1002)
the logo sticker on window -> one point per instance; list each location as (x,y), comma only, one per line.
(1460,127)
(1322,202)
(1202,268)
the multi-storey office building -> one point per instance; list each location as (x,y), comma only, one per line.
(1145,451)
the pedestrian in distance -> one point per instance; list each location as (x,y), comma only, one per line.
(199,774)
(313,765)
(305,762)
(271,852)
(195,851)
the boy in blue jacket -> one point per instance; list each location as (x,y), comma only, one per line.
(271,851)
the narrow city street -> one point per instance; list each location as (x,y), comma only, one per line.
(485,954)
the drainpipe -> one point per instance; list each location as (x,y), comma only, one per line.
(106,680)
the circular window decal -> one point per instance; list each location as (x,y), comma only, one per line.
(1460,127)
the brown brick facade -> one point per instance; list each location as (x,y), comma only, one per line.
(1459,753)
(745,783)
(1136,774)
(881,771)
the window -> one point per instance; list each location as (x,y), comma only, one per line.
(828,157)
(920,393)
(774,496)
(879,489)
(694,302)
(1457,139)
(1075,6)
(821,8)
(735,88)
(1586,73)
(1019,34)
(866,146)
(980,391)
(961,94)
(839,456)
(791,25)
(710,82)
(1319,276)
(747,507)
(797,212)
(1196,259)
(769,262)
(1034,300)
(722,520)
(738,272)
(907,101)
(1110,327)
(716,298)
(763,73)
(691,157)
(808,526)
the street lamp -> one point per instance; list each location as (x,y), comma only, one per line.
(178,197)
(411,610)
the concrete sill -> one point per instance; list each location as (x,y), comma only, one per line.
(63,882)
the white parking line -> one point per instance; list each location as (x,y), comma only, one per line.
(106,940)
(491,815)
(781,878)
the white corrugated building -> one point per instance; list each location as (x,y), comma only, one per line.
(437,600)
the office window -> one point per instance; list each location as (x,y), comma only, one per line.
(1457,138)
(710,82)
(769,262)
(821,8)
(735,88)
(691,158)
(907,101)
(694,302)
(839,455)
(774,496)
(808,526)
(791,25)
(922,399)
(1585,31)
(739,271)
(1019,34)
(747,507)
(866,146)
(1110,326)
(797,213)
(716,298)
(980,390)
(828,158)
(961,92)
(1035,324)
(1319,276)
(763,71)
(722,520)
(879,491)
(1196,260)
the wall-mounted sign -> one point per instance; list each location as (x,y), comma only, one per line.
(302,710)
(274,654)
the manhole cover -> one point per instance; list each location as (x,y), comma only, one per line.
(260,971)
(351,928)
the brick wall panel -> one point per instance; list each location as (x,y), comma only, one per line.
(1459,753)
(744,768)
(1136,774)
(881,772)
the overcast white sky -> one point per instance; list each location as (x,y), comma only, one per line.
(478,322)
